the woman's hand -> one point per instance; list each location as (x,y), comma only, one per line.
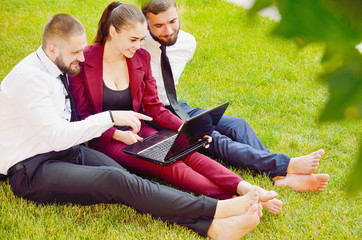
(127,137)
(129,118)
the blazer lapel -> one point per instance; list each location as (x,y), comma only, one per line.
(136,75)
(94,76)
(93,69)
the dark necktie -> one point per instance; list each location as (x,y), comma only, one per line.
(72,105)
(170,85)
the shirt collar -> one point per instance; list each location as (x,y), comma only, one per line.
(48,64)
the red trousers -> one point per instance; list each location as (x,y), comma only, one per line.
(196,173)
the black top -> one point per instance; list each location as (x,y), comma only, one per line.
(117,100)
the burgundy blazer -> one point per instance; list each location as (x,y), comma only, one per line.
(87,90)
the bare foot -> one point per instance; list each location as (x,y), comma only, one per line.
(312,182)
(235,227)
(244,187)
(267,195)
(273,206)
(237,205)
(306,164)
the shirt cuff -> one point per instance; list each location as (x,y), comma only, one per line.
(110,114)
(103,118)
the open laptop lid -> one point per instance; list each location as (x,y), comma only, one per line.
(195,128)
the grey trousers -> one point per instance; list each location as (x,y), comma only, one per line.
(84,176)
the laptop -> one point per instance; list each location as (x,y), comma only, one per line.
(167,146)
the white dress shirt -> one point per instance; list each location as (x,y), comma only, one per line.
(34,113)
(178,54)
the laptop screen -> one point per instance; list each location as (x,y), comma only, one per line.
(197,127)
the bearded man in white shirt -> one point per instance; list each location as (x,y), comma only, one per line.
(233,139)
(39,148)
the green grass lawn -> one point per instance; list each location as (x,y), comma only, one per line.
(268,81)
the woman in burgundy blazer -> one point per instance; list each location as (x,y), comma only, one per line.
(196,173)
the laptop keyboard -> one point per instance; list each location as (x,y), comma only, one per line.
(159,150)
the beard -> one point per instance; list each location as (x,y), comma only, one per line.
(169,42)
(67,69)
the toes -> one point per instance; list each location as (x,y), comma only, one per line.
(315,159)
(315,164)
(275,211)
(260,210)
(273,206)
(278,202)
(276,206)
(272,194)
(321,188)
(323,177)
(266,197)
(318,154)
(254,208)
(314,169)
(321,152)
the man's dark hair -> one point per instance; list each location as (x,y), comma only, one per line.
(157,6)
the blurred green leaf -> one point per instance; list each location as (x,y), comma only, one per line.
(345,88)
(260,5)
(349,9)
(333,58)
(315,21)
(355,181)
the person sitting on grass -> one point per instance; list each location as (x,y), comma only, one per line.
(234,141)
(41,155)
(116,75)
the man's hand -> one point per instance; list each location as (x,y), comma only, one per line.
(209,139)
(129,118)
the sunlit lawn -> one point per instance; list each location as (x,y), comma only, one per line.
(267,81)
